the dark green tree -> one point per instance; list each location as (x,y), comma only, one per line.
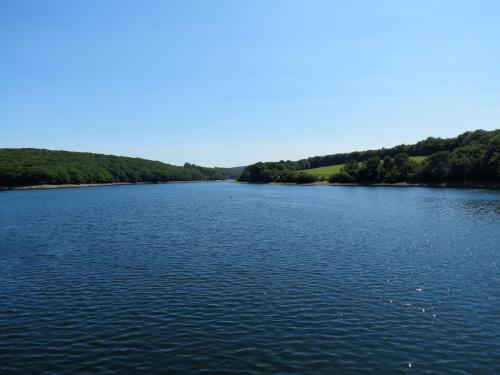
(370,170)
(437,167)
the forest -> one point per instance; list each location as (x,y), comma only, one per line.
(470,157)
(28,166)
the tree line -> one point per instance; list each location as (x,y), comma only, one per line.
(470,157)
(22,167)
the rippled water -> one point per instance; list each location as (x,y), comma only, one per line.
(228,278)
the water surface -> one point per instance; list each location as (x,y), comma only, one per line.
(228,278)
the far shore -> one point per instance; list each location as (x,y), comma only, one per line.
(70,186)
(467,185)
(65,186)
(470,185)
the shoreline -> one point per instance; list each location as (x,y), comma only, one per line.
(74,186)
(471,185)
(478,185)
(66,186)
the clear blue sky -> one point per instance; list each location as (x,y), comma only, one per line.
(234,82)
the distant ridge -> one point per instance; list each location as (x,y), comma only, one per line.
(31,166)
(470,157)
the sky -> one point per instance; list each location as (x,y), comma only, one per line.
(230,83)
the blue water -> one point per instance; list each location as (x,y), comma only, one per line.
(234,278)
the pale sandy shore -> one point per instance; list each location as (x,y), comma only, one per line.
(470,185)
(317,183)
(69,186)
(62,186)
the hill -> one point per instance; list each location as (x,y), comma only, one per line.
(28,166)
(330,170)
(471,156)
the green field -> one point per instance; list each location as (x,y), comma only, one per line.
(418,159)
(330,170)
(324,172)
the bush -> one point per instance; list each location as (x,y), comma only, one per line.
(342,177)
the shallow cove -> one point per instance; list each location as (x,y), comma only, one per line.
(229,278)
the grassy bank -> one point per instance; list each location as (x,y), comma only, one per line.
(324,173)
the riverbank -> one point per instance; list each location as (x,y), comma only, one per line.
(65,186)
(467,185)
(70,186)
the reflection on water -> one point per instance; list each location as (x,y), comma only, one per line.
(478,208)
(483,208)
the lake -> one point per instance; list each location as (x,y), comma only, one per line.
(234,278)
